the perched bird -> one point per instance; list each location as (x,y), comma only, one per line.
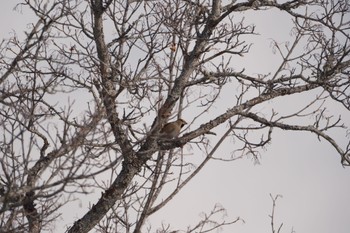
(172,129)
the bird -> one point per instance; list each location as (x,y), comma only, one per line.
(172,129)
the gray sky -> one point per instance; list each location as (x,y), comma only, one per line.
(305,171)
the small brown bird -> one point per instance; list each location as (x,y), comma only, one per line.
(173,47)
(172,129)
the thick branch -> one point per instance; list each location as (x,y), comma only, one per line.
(236,110)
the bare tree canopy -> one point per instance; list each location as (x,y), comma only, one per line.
(84,97)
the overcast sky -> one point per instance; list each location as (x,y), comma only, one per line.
(305,171)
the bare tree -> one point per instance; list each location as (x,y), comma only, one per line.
(85,94)
(273,216)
